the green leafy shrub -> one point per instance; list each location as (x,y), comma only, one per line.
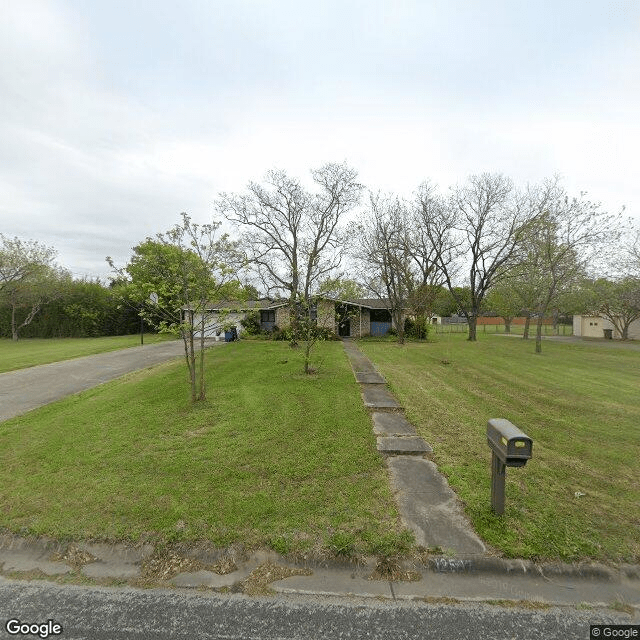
(281,334)
(251,323)
(324,333)
(418,328)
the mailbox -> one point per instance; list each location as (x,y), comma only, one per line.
(512,446)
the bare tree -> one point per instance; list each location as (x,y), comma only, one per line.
(293,238)
(382,250)
(561,242)
(430,246)
(485,222)
(633,255)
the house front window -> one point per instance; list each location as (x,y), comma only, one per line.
(267,319)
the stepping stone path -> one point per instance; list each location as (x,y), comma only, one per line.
(428,506)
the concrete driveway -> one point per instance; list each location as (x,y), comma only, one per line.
(26,389)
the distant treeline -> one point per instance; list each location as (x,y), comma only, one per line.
(84,309)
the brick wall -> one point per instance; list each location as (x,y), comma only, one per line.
(283,317)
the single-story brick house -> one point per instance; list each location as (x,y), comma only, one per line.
(347,318)
(595,326)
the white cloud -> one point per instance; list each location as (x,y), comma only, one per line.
(117,116)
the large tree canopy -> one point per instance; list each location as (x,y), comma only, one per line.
(292,237)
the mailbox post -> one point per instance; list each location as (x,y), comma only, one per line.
(510,447)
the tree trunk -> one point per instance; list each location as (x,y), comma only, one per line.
(307,357)
(399,322)
(202,394)
(539,335)
(507,325)
(185,340)
(472,321)
(527,323)
(14,329)
(192,361)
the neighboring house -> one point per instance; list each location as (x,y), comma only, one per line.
(230,314)
(599,327)
(347,318)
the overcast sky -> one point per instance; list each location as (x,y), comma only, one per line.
(115,116)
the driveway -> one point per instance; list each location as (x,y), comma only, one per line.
(26,389)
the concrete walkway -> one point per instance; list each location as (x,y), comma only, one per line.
(27,389)
(428,506)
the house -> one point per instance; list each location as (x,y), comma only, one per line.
(595,326)
(347,318)
(224,315)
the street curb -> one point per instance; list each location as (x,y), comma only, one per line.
(512,567)
(119,553)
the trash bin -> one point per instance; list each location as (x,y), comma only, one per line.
(608,334)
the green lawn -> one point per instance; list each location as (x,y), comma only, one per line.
(579,497)
(33,351)
(273,458)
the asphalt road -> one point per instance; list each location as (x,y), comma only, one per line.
(95,613)
(26,389)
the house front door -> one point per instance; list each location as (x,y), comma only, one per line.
(344,329)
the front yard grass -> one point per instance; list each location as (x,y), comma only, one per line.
(273,458)
(28,352)
(579,496)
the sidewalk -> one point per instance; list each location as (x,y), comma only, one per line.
(427,504)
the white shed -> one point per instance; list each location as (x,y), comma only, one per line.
(596,326)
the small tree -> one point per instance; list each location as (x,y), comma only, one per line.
(619,302)
(178,278)
(503,300)
(28,279)
(560,243)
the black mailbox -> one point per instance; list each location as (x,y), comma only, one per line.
(512,446)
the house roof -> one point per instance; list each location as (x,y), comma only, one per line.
(371,303)
(268,303)
(244,305)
